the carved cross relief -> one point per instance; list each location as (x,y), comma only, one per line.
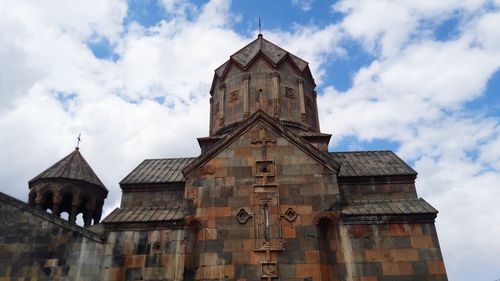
(263,141)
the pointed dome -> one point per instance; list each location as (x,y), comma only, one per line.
(73,167)
(260,45)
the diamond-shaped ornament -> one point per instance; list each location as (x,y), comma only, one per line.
(242,216)
(290,214)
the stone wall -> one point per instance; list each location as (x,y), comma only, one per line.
(229,193)
(35,245)
(391,252)
(370,188)
(142,196)
(144,255)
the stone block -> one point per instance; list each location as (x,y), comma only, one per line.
(135,261)
(421,241)
(429,254)
(367,269)
(420,268)
(377,255)
(397,229)
(114,274)
(288,231)
(397,268)
(312,257)
(132,274)
(436,267)
(245,271)
(307,270)
(404,255)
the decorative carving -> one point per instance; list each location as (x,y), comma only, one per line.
(242,216)
(234,96)
(263,141)
(269,270)
(156,248)
(289,92)
(264,168)
(290,214)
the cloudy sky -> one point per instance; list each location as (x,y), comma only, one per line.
(419,77)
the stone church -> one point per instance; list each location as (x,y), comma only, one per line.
(264,201)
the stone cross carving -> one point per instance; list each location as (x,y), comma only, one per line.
(263,141)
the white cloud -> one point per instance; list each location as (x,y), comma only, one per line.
(386,26)
(305,5)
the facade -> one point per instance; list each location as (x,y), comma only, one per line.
(265,200)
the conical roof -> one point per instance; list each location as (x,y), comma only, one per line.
(73,167)
(260,45)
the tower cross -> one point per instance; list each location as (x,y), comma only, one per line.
(78,139)
(263,141)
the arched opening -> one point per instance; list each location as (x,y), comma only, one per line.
(327,244)
(48,201)
(65,215)
(67,198)
(79,219)
(86,208)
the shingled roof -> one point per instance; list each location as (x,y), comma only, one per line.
(152,171)
(352,164)
(392,207)
(73,167)
(260,45)
(144,214)
(371,163)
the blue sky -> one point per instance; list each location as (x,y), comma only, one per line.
(421,78)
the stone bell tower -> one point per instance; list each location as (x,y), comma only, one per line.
(71,186)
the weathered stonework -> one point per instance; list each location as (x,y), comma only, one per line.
(264,201)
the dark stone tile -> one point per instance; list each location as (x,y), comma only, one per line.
(142,245)
(420,268)
(291,257)
(133,274)
(213,245)
(368,269)
(244,271)
(153,261)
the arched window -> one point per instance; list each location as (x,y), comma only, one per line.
(265,219)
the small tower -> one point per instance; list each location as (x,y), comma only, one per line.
(71,186)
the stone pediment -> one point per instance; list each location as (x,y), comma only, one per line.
(262,117)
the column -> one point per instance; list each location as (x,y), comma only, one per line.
(222,98)
(73,213)
(246,92)
(302,102)
(211,125)
(275,92)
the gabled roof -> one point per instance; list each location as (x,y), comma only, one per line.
(261,116)
(152,171)
(271,51)
(371,163)
(73,167)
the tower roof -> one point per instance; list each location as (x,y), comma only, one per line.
(260,45)
(73,167)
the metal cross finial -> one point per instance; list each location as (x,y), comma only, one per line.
(260,28)
(78,141)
